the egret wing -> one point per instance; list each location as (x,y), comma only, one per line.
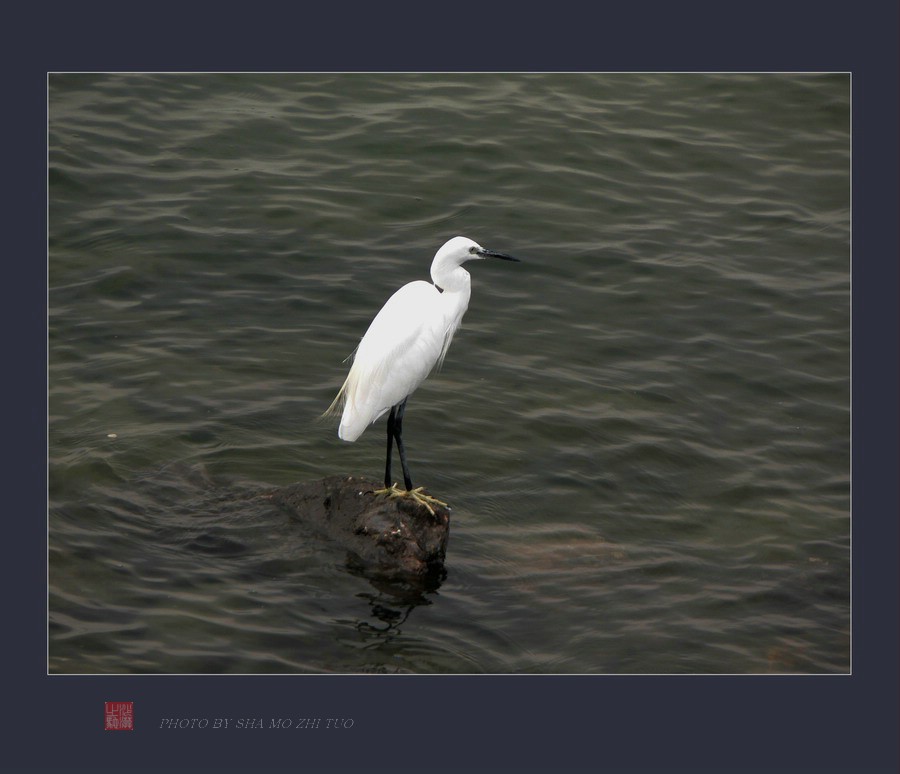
(401,346)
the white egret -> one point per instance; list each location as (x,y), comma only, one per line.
(405,341)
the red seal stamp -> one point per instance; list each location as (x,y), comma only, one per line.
(119,716)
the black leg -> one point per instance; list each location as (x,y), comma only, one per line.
(398,434)
(390,440)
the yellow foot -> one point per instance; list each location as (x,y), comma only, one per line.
(415,494)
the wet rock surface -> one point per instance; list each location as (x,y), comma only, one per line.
(391,538)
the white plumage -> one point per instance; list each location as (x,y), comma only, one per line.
(406,340)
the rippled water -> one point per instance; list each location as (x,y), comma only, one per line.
(643,428)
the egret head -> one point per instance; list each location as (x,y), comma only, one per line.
(461,249)
(446,269)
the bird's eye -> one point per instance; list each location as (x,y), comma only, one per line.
(473,249)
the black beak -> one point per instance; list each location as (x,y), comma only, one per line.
(494,254)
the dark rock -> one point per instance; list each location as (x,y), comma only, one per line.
(391,538)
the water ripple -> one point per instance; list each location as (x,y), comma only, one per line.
(643,428)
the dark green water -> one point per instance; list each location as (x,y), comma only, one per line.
(643,429)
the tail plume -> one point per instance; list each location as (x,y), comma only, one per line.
(337,405)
